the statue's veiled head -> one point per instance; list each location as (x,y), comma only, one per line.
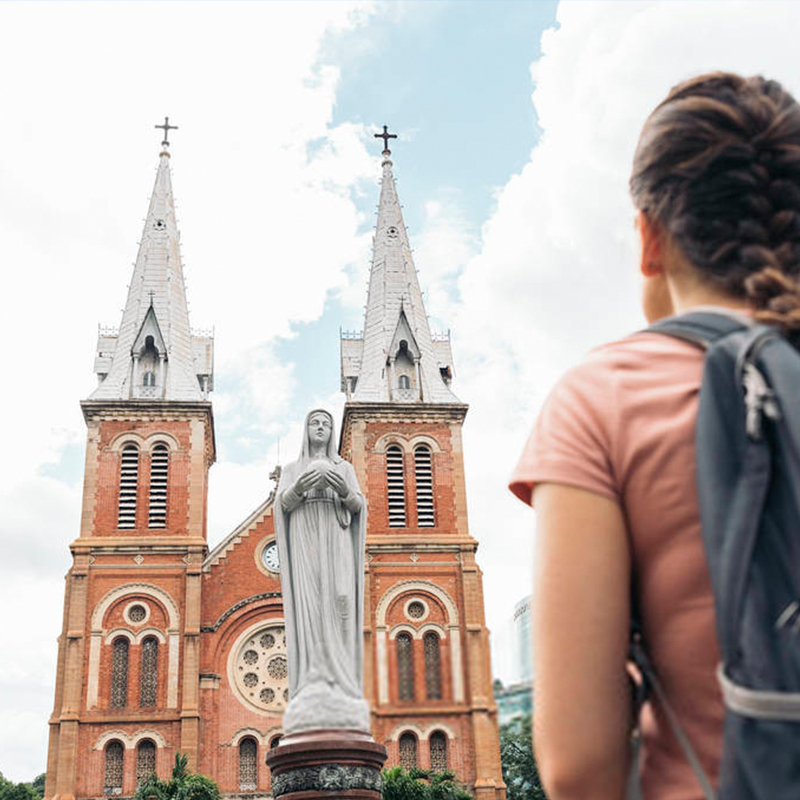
(319,432)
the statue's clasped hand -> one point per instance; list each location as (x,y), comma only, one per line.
(337,483)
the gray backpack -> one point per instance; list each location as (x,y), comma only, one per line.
(748,481)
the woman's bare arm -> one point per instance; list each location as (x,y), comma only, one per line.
(581,622)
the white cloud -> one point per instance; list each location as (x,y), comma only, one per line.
(556,271)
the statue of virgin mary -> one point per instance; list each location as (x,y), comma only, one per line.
(320,524)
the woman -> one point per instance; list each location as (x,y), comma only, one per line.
(610,465)
(320,528)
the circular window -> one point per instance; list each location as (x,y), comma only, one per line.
(258,669)
(416,609)
(392,232)
(136,613)
(277,668)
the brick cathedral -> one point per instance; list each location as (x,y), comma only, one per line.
(168,646)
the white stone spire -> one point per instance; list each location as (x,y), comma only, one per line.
(154,355)
(397,359)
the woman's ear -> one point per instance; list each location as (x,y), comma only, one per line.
(651,237)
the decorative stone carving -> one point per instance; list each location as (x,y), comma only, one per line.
(329,778)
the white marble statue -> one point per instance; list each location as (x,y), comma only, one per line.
(320,524)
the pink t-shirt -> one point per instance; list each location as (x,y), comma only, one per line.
(622,425)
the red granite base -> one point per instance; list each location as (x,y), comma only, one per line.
(327,765)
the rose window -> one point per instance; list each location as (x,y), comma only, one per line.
(259,669)
(416,610)
(137,613)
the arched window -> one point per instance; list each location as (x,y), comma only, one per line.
(248,765)
(145,760)
(396,487)
(148,679)
(113,776)
(424,479)
(403,382)
(128,484)
(149,378)
(119,672)
(159,468)
(408,750)
(405,665)
(433,666)
(438,746)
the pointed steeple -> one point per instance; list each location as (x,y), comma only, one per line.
(154,355)
(397,360)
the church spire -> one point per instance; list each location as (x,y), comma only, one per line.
(154,355)
(397,359)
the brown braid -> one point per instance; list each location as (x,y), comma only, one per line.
(718,165)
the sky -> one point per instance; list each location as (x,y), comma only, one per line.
(516,123)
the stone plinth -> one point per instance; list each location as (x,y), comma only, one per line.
(327,765)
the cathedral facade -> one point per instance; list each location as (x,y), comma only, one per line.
(170,647)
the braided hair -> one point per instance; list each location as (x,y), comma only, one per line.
(718,167)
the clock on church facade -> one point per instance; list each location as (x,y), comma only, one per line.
(169,646)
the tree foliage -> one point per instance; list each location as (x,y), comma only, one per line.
(17,791)
(183,785)
(519,765)
(421,784)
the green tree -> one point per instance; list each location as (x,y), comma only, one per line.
(183,785)
(421,784)
(38,784)
(16,791)
(519,765)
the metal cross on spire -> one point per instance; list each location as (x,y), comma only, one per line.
(386,136)
(166,128)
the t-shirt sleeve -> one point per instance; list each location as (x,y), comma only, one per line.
(571,442)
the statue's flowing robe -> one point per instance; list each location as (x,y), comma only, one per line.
(321,540)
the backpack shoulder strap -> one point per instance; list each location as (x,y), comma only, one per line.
(701,328)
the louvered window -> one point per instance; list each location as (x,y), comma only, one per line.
(424,479)
(438,745)
(128,483)
(396,487)
(248,765)
(159,467)
(408,751)
(405,665)
(149,672)
(113,776)
(145,760)
(119,672)
(433,666)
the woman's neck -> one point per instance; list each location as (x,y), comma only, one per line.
(317,451)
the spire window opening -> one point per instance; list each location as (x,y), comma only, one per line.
(423,473)
(395,480)
(119,672)
(405,666)
(433,666)
(128,486)
(113,772)
(438,747)
(403,382)
(145,760)
(248,765)
(407,750)
(159,471)
(149,673)
(149,378)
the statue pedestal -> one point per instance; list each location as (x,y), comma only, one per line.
(327,765)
